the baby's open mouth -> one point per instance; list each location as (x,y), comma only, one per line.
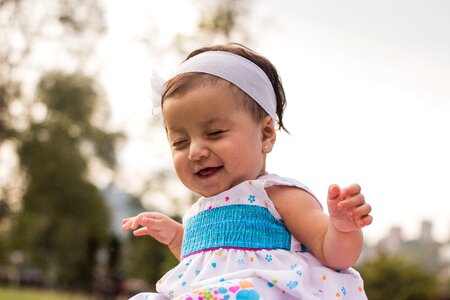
(208,171)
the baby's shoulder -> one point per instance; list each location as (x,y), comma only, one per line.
(274,179)
(284,187)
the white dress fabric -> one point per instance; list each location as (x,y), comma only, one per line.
(238,256)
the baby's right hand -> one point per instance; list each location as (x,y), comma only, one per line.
(159,226)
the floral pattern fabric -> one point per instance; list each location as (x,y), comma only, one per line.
(232,273)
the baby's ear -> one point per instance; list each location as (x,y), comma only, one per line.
(268,134)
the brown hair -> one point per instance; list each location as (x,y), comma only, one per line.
(183,82)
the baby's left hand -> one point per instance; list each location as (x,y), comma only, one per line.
(347,208)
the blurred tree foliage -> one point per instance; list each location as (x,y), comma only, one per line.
(28,28)
(36,36)
(148,259)
(396,278)
(223,18)
(49,206)
(64,220)
(219,22)
(143,257)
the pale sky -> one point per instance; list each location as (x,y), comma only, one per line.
(368,90)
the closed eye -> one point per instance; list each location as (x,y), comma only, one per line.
(179,144)
(215,133)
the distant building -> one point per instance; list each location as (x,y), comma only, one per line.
(393,242)
(425,250)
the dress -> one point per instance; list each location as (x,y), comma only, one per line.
(235,246)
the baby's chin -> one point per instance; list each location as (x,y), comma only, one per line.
(212,192)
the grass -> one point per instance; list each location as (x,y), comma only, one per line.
(34,294)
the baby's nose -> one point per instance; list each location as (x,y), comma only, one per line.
(198,151)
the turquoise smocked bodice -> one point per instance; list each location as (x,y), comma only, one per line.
(234,226)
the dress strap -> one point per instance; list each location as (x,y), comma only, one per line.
(273,179)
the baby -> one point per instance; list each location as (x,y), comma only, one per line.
(252,234)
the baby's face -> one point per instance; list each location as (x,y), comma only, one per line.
(215,143)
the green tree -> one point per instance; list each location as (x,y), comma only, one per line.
(63,221)
(219,22)
(143,257)
(150,260)
(27,27)
(66,29)
(395,278)
(67,32)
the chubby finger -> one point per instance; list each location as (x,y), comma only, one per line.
(137,221)
(333,192)
(134,223)
(351,190)
(352,202)
(361,211)
(148,221)
(364,221)
(141,231)
(126,223)
(144,219)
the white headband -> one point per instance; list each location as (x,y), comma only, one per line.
(233,68)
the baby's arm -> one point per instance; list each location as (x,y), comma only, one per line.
(336,240)
(159,226)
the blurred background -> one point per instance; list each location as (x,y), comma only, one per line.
(368,91)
